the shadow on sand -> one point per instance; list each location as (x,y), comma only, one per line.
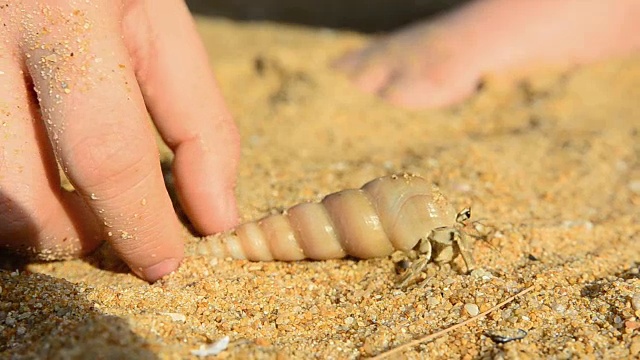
(42,317)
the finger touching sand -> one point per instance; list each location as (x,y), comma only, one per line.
(97,123)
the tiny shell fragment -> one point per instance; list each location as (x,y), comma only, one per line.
(212,349)
(177,317)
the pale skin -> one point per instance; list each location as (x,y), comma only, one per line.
(76,81)
(441,61)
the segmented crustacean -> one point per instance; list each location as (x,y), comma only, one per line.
(398,212)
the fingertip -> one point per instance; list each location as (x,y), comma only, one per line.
(205,173)
(413,91)
(224,213)
(157,271)
(159,247)
(209,203)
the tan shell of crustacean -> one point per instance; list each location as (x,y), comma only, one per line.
(387,214)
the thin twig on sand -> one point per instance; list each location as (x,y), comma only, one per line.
(449,329)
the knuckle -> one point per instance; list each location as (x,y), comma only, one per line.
(112,157)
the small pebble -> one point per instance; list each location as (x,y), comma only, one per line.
(631,325)
(349,320)
(558,308)
(635,301)
(9,321)
(433,301)
(472,309)
(481,274)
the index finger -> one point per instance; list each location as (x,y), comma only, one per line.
(98,126)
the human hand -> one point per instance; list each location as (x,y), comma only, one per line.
(75,77)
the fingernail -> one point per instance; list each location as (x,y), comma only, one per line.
(157,271)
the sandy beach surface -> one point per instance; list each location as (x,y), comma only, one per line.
(550,162)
